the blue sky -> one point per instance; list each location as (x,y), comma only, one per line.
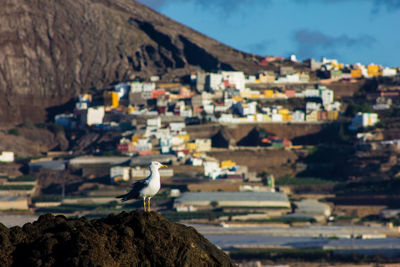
(366,31)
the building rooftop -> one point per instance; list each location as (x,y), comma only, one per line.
(231,196)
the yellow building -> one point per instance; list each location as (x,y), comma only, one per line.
(373,70)
(269,93)
(283,111)
(228,164)
(286,117)
(191,146)
(356,73)
(237,98)
(111,99)
(135,139)
(333,115)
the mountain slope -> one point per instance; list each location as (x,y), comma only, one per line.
(52,50)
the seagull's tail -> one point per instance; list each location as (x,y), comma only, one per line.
(124,197)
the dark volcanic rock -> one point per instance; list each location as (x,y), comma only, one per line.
(127,239)
(52,50)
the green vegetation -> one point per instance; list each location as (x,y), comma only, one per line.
(282,220)
(13,131)
(287,180)
(16,187)
(353,108)
(47,198)
(345,217)
(369,187)
(23,178)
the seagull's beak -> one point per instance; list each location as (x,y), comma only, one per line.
(164,166)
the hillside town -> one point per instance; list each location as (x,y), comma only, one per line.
(209,179)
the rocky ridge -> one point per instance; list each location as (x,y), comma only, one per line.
(126,239)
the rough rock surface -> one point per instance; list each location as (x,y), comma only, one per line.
(126,239)
(52,50)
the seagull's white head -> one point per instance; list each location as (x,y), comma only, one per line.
(155,165)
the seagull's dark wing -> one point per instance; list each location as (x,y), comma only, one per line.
(135,191)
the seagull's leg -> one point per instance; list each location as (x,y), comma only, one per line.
(149,203)
(144,203)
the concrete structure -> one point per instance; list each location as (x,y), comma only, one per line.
(55,165)
(93,160)
(13,202)
(139,173)
(204,200)
(311,208)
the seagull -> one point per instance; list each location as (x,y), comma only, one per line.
(146,188)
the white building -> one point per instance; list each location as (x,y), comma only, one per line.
(276,117)
(389,72)
(363,120)
(177,128)
(144,144)
(81,105)
(209,108)
(298,116)
(154,122)
(138,87)
(250,109)
(326,96)
(235,78)
(165,144)
(313,106)
(120,173)
(290,78)
(7,156)
(226,118)
(212,169)
(95,115)
(214,81)
(311,93)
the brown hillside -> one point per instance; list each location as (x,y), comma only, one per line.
(51,50)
